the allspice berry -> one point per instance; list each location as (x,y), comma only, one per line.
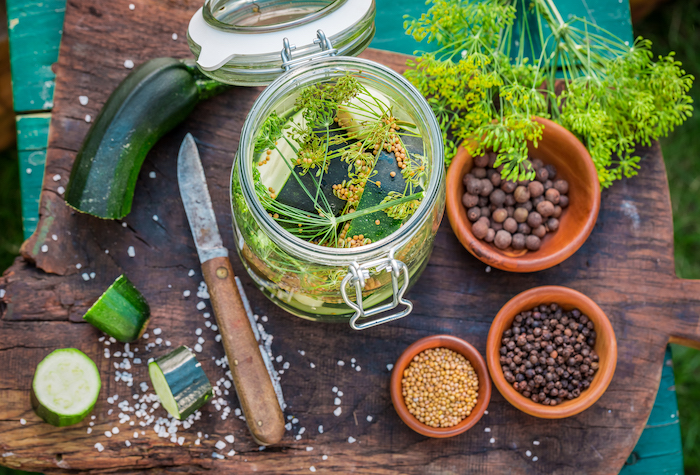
(523,228)
(510,200)
(498,197)
(545,208)
(536,163)
(503,239)
(496,179)
(499,215)
(479,172)
(540,231)
(520,215)
(563,201)
(535,188)
(496,226)
(474,213)
(480,228)
(518,241)
(552,195)
(562,186)
(510,210)
(511,225)
(552,224)
(486,187)
(469,200)
(485,211)
(482,161)
(551,171)
(557,212)
(490,235)
(534,219)
(541,175)
(508,186)
(473,185)
(532,242)
(521,194)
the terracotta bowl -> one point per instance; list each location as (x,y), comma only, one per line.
(455,344)
(605,347)
(560,148)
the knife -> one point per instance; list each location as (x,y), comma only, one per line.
(253,382)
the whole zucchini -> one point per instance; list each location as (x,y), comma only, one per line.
(152,100)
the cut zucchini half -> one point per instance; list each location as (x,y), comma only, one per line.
(121,312)
(65,387)
(180,382)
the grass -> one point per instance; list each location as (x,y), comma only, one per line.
(675,26)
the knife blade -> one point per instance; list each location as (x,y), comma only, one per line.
(253,382)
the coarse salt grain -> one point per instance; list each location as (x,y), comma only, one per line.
(229,438)
(44,248)
(108,434)
(337,401)
(488,429)
(174,37)
(351,440)
(320,429)
(341,363)
(56,177)
(338,411)
(335,389)
(29,171)
(325,457)
(155,217)
(157,331)
(124,224)
(217,338)
(389,367)
(127,443)
(340,393)
(92,275)
(131,252)
(198,331)
(357,368)
(61,190)
(220,444)
(369,418)
(54,237)
(231,453)
(312,365)
(99,447)
(115,430)
(535,442)
(22,421)
(88,118)
(528,453)
(186,293)
(131,6)
(128,64)
(191,272)
(198,348)
(535,458)
(492,440)
(312,468)
(201,306)
(83,100)
(86,276)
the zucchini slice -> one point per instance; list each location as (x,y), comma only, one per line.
(180,382)
(153,99)
(65,387)
(121,312)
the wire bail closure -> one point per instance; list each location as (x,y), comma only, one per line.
(324,42)
(358,276)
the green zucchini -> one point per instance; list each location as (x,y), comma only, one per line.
(65,387)
(121,312)
(180,382)
(153,99)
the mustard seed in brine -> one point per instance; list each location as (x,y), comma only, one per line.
(440,387)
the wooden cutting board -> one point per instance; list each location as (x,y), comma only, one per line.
(626,266)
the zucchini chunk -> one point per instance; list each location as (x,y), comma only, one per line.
(121,312)
(180,382)
(65,387)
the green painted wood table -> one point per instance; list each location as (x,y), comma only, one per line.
(35,34)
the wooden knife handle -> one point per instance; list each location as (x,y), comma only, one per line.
(253,385)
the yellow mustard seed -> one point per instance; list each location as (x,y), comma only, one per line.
(440,387)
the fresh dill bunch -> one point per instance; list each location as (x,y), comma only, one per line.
(484,90)
(320,102)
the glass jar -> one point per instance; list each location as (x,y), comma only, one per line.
(364,286)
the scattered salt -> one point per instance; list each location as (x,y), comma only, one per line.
(338,411)
(198,348)
(29,171)
(88,117)
(220,444)
(535,458)
(86,276)
(108,434)
(312,365)
(340,393)
(22,421)
(151,174)
(83,100)
(201,306)
(229,439)
(528,453)
(54,237)
(128,64)
(131,251)
(115,430)
(155,217)
(535,442)
(357,368)
(312,468)
(174,36)
(492,440)
(99,447)
(61,190)
(325,457)
(186,293)
(351,440)
(44,248)
(320,429)
(191,272)
(231,453)
(369,418)
(127,443)
(198,331)
(157,331)
(337,401)
(488,429)
(341,363)
(131,6)
(335,389)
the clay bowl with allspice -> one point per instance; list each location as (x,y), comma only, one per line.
(605,349)
(561,149)
(459,346)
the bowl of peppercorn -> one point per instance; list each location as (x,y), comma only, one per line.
(529,225)
(440,386)
(551,352)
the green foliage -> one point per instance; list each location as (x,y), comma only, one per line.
(484,94)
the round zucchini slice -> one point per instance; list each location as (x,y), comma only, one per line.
(121,312)
(180,382)
(65,387)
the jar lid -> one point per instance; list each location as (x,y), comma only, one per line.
(251,43)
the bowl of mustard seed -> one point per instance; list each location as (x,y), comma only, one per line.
(440,386)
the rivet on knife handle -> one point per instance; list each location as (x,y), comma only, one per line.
(253,385)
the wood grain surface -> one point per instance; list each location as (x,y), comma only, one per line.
(626,266)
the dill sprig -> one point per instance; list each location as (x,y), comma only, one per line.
(484,89)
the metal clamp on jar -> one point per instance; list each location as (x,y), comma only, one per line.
(291,46)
